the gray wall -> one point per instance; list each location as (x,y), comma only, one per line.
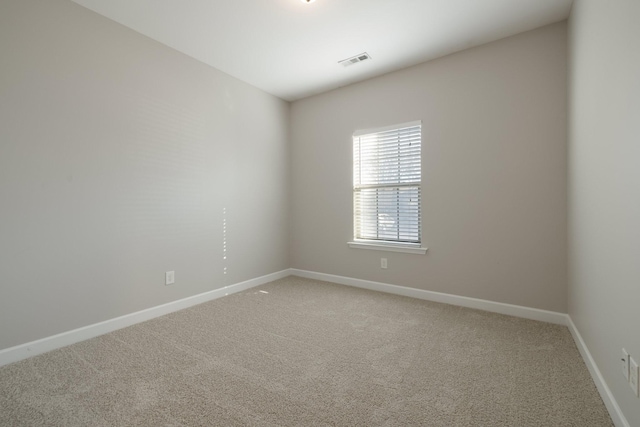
(117,158)
(494,172)
(604,186)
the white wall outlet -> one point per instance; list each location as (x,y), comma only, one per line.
(169,277)
(625,364)
(383,263)
(633,376)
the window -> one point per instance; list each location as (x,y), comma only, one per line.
(387,174)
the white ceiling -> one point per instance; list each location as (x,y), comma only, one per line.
(291,49)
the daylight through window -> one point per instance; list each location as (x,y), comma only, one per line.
(386,184)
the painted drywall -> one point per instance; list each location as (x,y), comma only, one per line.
(604,186)
(120,159)
(494,172)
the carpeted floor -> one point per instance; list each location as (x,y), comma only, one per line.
(299,352)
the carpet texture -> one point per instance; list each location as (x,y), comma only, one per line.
(299,352)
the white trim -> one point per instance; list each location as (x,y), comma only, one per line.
(389,247)
(615,412)
(363,132)
(23,351)
(480,304)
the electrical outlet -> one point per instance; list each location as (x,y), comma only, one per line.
(625,364)
(633,375)
(170,278)
(383,263)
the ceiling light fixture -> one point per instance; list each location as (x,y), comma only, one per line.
(307,1)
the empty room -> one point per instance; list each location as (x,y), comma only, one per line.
(319,212)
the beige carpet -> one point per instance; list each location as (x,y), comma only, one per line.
(301,352)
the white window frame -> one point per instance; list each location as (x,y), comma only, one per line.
(378,244)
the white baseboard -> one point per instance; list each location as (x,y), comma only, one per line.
(480,304)
(23,351)
(617,416)
(496,307)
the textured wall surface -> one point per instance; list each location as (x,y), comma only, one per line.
(119,160)
(604,186)
(494,172)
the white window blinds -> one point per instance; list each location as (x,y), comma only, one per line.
(386,184)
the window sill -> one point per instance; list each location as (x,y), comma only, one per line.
(389,247)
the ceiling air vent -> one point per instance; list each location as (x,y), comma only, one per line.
(355,59)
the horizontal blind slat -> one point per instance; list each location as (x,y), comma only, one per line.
(387,178)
